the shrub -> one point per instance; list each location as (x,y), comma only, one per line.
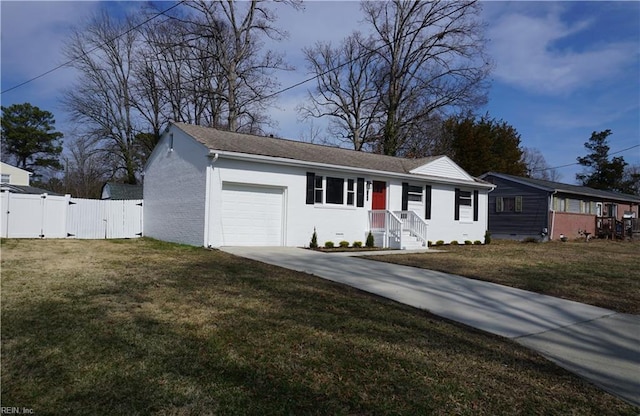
(344,244)
(370,242)
(468,242)
(329,244)
(487,237)
(477,243)
(314,239)
(454,242)
(357,244)
(440,243)
(530,240)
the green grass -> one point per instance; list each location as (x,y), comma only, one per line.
(145,327)
(601,273)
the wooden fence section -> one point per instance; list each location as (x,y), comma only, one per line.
(48,216)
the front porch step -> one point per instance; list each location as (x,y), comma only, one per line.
(410,242)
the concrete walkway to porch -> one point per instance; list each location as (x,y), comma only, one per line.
(601,345)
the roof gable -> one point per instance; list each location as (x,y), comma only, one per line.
(443,167)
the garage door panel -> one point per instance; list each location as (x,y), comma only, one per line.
(252,215)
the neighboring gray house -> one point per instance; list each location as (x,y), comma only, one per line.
(121,191)
(522,208)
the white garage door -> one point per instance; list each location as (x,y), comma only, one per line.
(251,215)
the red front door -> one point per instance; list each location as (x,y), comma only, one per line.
(379,199)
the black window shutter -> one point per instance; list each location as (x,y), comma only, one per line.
(360,192)
(405,196)
(475,205)
(427,202)
(311,181)
(456,210)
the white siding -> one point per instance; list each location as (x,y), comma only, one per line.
(175,190)
(332,222)
(443,167)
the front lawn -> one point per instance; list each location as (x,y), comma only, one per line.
(145,327)
(601,273)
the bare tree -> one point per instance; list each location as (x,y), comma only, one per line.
(537,166)
(428,61)
(102,99)
(348,95)
(232,33)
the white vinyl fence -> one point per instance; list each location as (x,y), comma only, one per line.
(48,216)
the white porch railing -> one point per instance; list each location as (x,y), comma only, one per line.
(412,223)
(388,225)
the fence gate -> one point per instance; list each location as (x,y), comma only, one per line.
(33,216)
(96,218)
(47,216)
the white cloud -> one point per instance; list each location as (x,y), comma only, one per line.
(523,47)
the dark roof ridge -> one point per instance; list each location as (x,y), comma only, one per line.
(566,187)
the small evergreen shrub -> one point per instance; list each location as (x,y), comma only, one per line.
(440,242)
(314,239)
(357,244)
(487,237)
(344,244)
(477,243)
(454,242)
(370,242)
(329,244)
(468,242)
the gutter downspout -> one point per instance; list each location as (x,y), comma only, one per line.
(553,214)
(213,157)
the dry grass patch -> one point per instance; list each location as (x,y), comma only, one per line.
(144,327)
(600,273)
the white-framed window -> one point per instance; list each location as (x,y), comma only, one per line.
(335,190)
(318,189)
(466,205)
(414,193)
(351,191)
(6,178)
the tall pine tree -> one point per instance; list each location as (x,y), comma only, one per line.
(29,139)
(602,173)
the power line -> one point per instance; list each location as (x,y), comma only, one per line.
(94,49)
(577,163)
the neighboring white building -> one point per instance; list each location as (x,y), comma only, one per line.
(207,187)
(12,175)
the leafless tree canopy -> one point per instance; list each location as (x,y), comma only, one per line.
(537,166)
(422,61)
(204,64)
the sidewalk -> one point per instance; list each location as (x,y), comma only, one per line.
(598,344)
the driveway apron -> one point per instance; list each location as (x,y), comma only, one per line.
(598,344)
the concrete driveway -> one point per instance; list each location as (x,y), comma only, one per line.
(598,344)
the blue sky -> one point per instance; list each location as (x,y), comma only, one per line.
(562,69)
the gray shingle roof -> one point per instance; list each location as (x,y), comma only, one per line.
(22,189)
(120,191)
(567,188)
(289,149)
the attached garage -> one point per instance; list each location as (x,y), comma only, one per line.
(252,215)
